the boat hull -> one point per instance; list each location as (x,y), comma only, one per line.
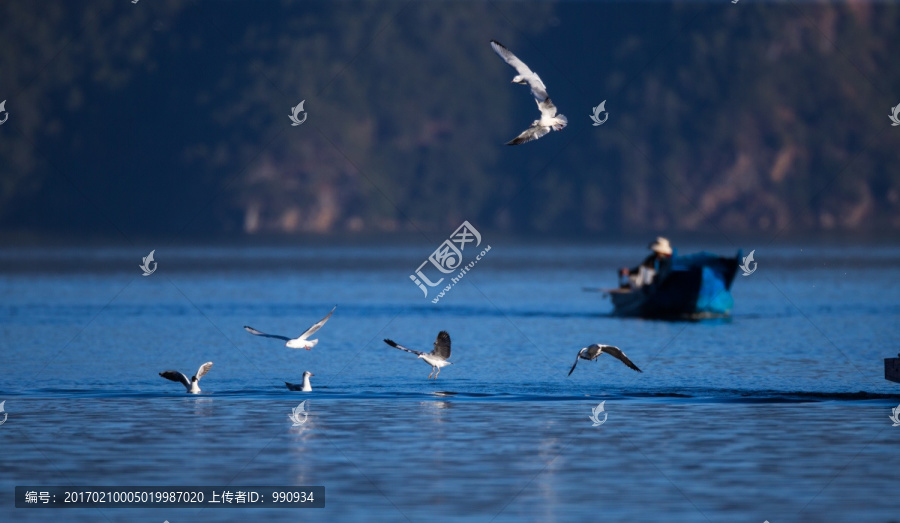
(697,286)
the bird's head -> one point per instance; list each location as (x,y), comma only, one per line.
(519,80)
(308,374)
(421,356)
(194,379)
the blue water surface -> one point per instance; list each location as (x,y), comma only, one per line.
(778,414)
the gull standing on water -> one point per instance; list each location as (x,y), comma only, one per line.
(437,358)
(192,386)
(300,342)
(549,119)
(594,351)
(306,387)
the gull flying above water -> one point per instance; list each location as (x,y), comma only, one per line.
(437,358)
(549,119)
(594,351)
(300,342)
(306,387)
(192,385)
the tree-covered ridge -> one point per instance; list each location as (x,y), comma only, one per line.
(166,118)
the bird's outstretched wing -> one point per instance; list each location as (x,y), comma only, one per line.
(174,375)
(312,330)
(538,89)
(511,59)
(574,364)
(393,344)
(203,369)
(577,357)
(442,345)
(255,332)
(617,353)
(532,133)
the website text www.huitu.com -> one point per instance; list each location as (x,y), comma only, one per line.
(456,279)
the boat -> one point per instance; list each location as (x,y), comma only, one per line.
(693,287)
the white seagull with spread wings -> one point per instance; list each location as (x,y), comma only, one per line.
(594,351)
(192,386)
(437,358)
(300,342)
(549,119)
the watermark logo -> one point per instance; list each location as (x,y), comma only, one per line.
(448,258)
(745,264)
(297,412)
(297,109)
(596,116)
(894,116)
(6,113)
(595,415)
(895,415)
(5,414)
(146,265)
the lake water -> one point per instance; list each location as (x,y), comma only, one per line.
(778,414)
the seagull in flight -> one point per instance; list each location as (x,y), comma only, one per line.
(594,351)
(300,342)
(306,387)
(437,358)
(192,385)
(549,119)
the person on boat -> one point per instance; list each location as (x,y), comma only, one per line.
(658,261)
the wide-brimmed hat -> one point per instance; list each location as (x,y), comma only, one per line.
(661,246)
